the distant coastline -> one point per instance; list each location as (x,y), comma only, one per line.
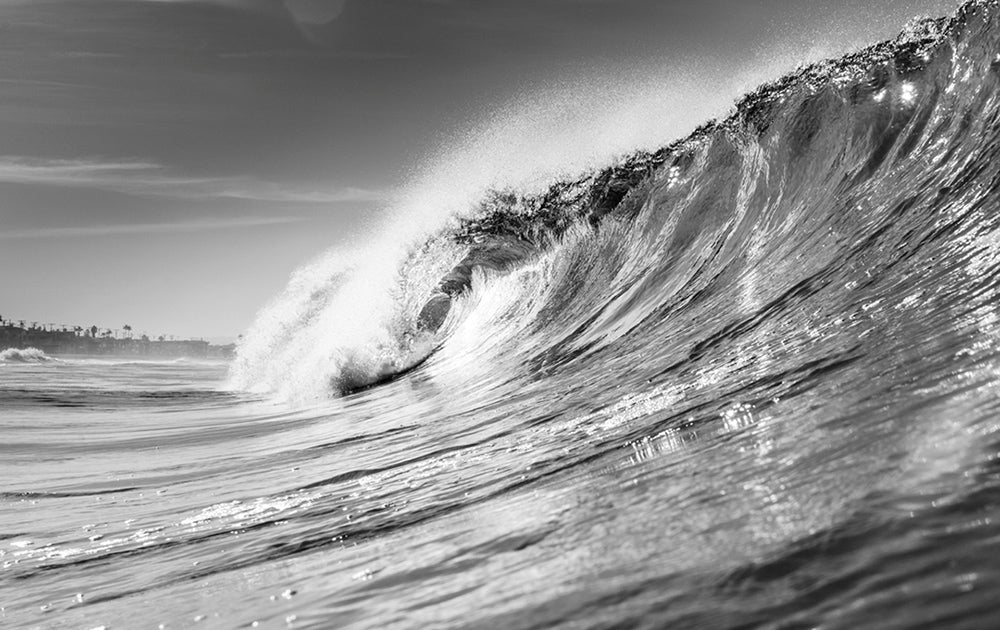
(97,341)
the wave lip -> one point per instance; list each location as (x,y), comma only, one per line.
(25,355)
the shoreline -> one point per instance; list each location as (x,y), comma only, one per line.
(68,342)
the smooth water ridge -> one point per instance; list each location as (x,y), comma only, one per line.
(749,380)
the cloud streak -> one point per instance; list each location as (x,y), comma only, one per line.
(145,178)
(303,13)
(197,225)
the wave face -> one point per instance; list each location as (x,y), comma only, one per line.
(24,355)
(832,207)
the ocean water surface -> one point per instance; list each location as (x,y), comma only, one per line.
(749,380)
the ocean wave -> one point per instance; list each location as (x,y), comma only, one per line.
(25,355)
(823,187)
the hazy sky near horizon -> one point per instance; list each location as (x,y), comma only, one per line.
(168,163)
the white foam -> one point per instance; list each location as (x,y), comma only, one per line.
(25,355)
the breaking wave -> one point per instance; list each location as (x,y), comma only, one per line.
(24,355)
(840,208)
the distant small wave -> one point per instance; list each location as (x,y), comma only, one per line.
(25,355)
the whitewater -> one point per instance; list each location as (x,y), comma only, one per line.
(748,379)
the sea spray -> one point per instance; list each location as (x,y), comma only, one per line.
(343,319)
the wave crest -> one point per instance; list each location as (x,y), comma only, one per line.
(805,179)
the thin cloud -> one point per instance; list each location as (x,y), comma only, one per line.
(315,11)
(151,179)
(47,84)
(198,225)
(303,13)
(315,54)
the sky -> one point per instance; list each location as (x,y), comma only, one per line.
(168,163)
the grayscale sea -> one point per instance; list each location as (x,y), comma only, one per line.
(750,380)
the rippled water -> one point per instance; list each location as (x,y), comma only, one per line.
(756,386)
(169,502)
